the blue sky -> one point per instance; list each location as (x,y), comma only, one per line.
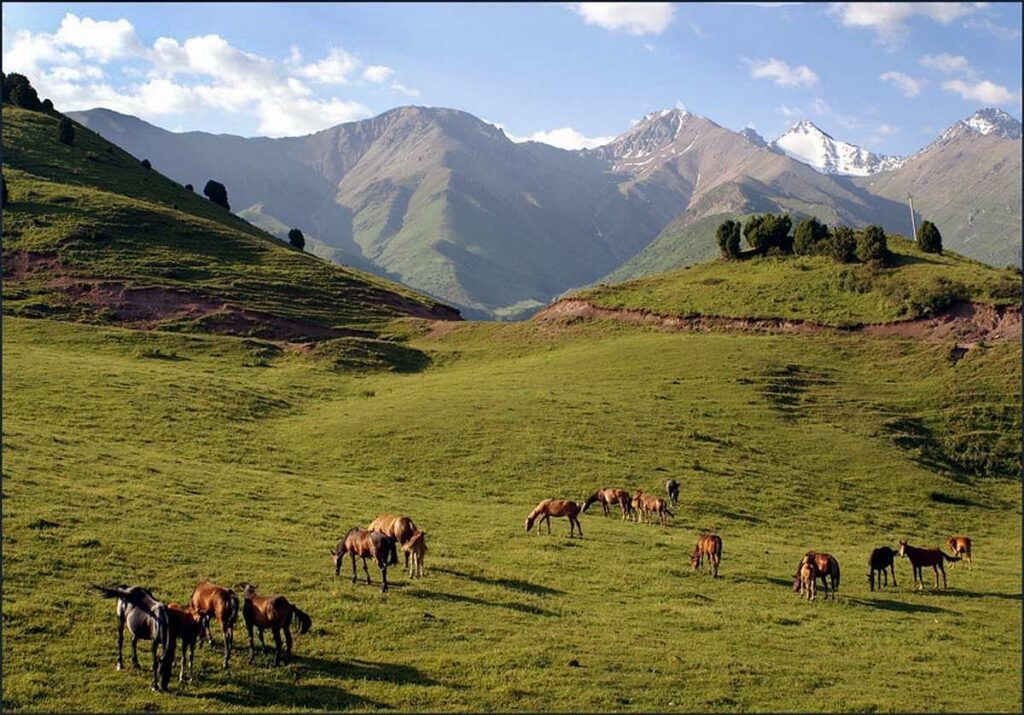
(888,76)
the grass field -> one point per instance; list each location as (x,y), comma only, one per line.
(160,458)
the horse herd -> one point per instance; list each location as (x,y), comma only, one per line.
(164,625)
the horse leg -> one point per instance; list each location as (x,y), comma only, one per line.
(277,645)
(943,570)
(184,660)
(407,561)
(579,526)
(229,642)
(353,555)
(252,643)
(893,567)
(120,641)
(547,518)
(715,560)
(366,571)
(263,643)
(383,577)
(287,644)
(156,665)
(135,652)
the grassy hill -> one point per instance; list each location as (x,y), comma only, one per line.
(816,289)
(90,233)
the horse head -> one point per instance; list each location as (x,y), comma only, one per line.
(903,548)
(529,523)
(246,589)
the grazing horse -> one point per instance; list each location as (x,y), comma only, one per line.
(210,600)
(275,613)
(363,543)
(881,560)
(555,507)
(961,546)
(146,618)
(609,496)
(826,568)
(709,545)
(399,528)
(417,546)
(807,573)
(650,505)
(187,625)
(672,487)
(926,557)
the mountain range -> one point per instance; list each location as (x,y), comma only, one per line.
(447,204)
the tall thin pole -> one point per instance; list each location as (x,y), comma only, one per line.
(913,221)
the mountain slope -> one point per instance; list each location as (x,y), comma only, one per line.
(91,234)
(969,183)
(807,143)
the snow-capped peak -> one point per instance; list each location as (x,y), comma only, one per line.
(807,143)
(985,121)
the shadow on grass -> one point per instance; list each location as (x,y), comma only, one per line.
(304,697)
(459,598)
(957,593)
(514,584)
(900,606)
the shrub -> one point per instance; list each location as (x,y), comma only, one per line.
(768,231)
(215,192)
(189,187)
(24,95)
(728,235)
(48,106)
(871,245)
(146,164)
(296,238)
(811,237)
(929,239)
(841,245)
(66,132)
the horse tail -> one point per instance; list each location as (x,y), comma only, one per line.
(232,614)
(119,592)
(835,587)
(669,513)
(393,561)
(305,622)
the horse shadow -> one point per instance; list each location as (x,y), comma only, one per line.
(957,593)
(535,589)
(899,606)
(308,697)
(473,600)
(357,669)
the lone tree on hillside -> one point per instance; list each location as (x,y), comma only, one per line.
(66,132)
(871,245)
(296,238)
(189,187)
(929,239)
(215,192)
(842,245)
(769,231)
(20,93)
(811,236)
(146,164)
(728,235)
(48,105)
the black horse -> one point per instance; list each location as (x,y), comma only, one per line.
(672,487)
(881,559)
(148,619)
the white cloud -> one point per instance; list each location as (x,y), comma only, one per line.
(887,129)
(332,69)
(564,138)
(986,25)
(820,106)
(377,73)
(889,19)
(292,117)
(639,18)
(906,84)
(984,91)
(946,62)
(102,40)
(787,111)
(782,73)
(407,91)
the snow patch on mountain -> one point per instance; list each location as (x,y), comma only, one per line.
(805,142)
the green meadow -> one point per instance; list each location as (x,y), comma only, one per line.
(160,458)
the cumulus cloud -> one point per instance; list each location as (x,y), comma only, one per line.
(639,18)
(332,69)
(564,138)
(984,24)
(407,91)
(946,62)
(889,19)
(984,91)
(782,73)
(103,40)
(377,73)
(906,84)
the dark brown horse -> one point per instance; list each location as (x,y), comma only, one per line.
(672,488)
(555,507)
(186,625)
(881,562)
(826,568)
(961,546)
(366,544)
(919,558)
(609,496)
(275,613)
(709,546)
(212,601)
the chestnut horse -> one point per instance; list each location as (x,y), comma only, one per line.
(555,507)
(710,546)
(920,558)
(609,496)
(961,546)
(672,487)
(363,543)
(275,613)
(881,561)
(210,600)
(826,568)
(397,527)
(648,505)
(808,574)
(187,625)
(417,546)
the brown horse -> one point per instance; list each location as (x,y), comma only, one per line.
(363,543)
(881,561)
(808,574)
(417,546)
(639,505)
(275,613)
(187,625)
(919,558)
(649,505)
(608,497)
(555,507)
(397,527)
(826,567)
(961,546)
(210,600)
(710,546)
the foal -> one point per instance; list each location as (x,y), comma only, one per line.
(920,558)
(826,568)
(808,573)
(555,507)
(961,546)
(881,561)
(363,543)
(417,546)
(399,528)
(709,545)
(187,625)
(275,613)
(210,600)
(148,619)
